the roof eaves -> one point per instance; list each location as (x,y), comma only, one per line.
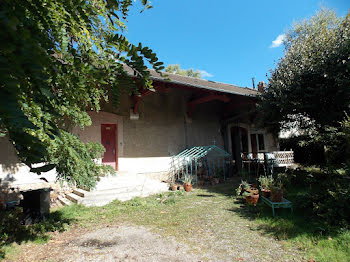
(200,86)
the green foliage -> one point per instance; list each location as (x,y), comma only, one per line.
(175,69)
(188,179)
(330,200)
(326,197)
(11,229)
(309,89)
(306,152)
(72,159)
(59,59)
(266,182)
(242,187)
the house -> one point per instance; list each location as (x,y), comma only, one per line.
(142,134)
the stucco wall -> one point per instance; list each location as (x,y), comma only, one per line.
(93,133)
(146,145)
(162,130)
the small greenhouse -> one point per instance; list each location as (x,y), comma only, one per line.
(202,164)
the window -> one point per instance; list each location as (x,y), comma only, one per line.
(261,142)
(257,142)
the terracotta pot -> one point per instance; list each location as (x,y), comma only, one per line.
(266,192)
(173,187)
(252,199)
(188,187)
(277,196)
(254,191)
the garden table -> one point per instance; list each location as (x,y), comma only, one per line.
(284,204)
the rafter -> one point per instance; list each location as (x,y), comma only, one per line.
(191,105)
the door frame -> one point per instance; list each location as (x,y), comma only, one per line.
(116,142)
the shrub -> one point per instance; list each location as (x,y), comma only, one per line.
(327,194)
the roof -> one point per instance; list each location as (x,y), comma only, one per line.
(201,151)
(199,83)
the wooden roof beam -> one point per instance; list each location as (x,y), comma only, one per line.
(204,99)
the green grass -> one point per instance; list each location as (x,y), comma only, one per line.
(207,215)
(300,230)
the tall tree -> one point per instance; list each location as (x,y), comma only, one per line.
(310,87)
(176,69)
(58,59)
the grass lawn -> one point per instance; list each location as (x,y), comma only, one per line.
(212,221)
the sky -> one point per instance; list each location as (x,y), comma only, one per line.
(229,41)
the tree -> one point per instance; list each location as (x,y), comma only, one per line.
(175,69)
(58,59)
(310,87)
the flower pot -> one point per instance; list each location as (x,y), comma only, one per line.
(188,187)
(252,199)
(254,191)
(173,187)
(266,193)
(277,195)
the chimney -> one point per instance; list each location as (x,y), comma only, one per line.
(261,86)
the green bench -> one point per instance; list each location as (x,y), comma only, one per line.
(284,204)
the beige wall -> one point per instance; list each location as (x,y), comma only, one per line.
(162,130)
(146,145)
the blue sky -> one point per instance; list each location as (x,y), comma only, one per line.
(231,41)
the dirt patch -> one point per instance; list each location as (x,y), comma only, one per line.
(117,243)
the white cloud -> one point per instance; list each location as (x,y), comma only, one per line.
(205,73)
(278,41)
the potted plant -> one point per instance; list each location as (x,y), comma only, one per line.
(243,186)
(266,182)
(251,198)
(188,183)
(277,193)
(173,186)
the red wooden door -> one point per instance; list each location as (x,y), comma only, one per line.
(109,141)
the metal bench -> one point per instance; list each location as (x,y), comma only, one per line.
(284,204)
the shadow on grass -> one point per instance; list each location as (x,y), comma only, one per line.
(226,189)
(12,231)
(285,225)
(205,195)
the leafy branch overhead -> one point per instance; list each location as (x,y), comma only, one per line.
(59,59)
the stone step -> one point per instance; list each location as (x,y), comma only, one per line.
(115,190)
(58,203)
(147,188)
(80,192)
(74,198)
(64,201)
(103,200)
